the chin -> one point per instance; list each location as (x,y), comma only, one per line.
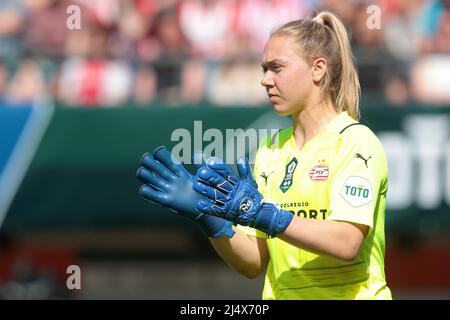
(281,110)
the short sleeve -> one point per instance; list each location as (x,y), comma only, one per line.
(360,178)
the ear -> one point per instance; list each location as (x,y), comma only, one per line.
(319,69)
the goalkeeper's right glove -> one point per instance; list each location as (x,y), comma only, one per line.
(236,198)
(169,184)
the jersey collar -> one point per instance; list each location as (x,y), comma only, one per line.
(334,127)
(340,122)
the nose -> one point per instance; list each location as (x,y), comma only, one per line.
(267,81)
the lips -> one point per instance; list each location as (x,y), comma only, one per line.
(273,97)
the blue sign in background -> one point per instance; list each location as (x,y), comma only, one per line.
(12,124)
(21,130)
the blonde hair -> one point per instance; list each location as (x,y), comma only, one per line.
(325,36)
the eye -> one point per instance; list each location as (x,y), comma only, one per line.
(276,68)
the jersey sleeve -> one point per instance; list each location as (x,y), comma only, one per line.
(360,178)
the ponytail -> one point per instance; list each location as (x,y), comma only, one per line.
(325,35)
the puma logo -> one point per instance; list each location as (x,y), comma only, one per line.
(359,156)
(265,177)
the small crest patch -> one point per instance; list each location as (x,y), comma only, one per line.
(319,173)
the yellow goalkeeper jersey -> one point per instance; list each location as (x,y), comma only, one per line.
(341,174)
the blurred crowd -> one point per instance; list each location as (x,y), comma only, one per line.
(141,52)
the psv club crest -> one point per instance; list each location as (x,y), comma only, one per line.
(319,173)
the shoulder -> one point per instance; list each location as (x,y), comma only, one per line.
(352,133)
(358,135)
(360,142)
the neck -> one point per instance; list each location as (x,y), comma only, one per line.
(312,120)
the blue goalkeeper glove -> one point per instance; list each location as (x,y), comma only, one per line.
(237,198)
(169,184)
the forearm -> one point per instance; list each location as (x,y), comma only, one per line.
(339,239)
(245,254)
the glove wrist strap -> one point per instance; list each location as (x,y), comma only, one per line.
(272,220)
(215,227)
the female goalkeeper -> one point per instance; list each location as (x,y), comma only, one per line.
(314,218)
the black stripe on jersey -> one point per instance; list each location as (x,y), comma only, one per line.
(272,141)
(353,124)
(327,285)
(338,267)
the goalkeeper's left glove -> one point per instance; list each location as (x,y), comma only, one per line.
(237,198)
(168,183)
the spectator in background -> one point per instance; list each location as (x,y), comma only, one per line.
(94,82)
(193,81)
(369,50)
(4,75)
(273,12)
(429,73)
(438,41)
(362,35)
(397,89)
(402,33)
(104,13)
(144,87)
(12,17)
(88,77)
(429,80)
(429,21)
(236,83)
(174,51)
(346,10)
(236,80)
(133,27)
(208,26)
(46,30)
(27,86)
